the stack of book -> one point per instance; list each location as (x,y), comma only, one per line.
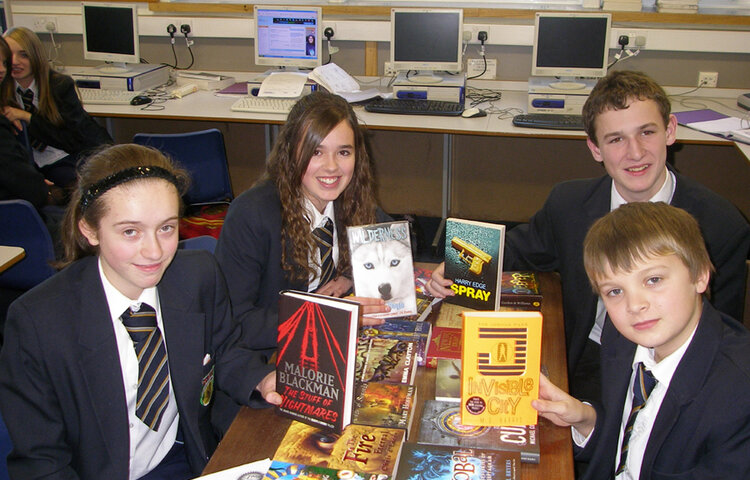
(677,6)
(622,5)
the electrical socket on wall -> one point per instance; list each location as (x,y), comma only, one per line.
(475,66)
(388,70)
(45,24)
(708,79)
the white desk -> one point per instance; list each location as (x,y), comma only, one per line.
(9,256)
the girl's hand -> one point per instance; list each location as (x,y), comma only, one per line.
(371,306)
(16,115)
(338,287)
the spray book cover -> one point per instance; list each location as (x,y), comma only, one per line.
(474,261)
(316,358)
(500,365)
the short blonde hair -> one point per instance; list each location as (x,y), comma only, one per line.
(640,230)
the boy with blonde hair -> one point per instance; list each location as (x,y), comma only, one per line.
(675,371)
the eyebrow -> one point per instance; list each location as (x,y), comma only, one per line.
(640,128)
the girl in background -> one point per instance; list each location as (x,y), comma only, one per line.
(72,373)
(60,130)
(318,170)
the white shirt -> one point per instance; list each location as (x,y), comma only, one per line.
(665,194)
(147,448)
(644,422)
(50,154)
(318,219)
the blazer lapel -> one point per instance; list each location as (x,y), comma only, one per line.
(99,359)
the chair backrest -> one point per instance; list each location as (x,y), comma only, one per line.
(21,226)
(202,153)
(204,242)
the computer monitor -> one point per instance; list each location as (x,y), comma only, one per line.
(570,45)
(426,40)
(287,37)
(110,34)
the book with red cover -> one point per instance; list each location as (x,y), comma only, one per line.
(316,358)
(445,342)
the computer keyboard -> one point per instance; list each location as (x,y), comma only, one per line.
(415,107)
(263,104)
(551,121)
(104,96)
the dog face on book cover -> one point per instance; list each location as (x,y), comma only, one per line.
(387,269)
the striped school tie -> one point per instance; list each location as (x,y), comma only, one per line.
(27,96)
(153,370)
(642,387)
(324,236)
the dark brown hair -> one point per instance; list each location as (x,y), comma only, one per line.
(7,88)
(616,91)
(310,121)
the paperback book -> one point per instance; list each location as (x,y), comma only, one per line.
(291,471)
(441,425)
(500,366)
(474,261)
(389,405)
(315,364)
(402,329)
(448,380)
(382,265)
(445,343)
(387,360)
(441,462)
(520,290)
(359,448)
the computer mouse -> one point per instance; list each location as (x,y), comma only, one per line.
(141,100)
(473,112)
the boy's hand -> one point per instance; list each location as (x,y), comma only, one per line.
(439,286)
(267,388)
(562,409)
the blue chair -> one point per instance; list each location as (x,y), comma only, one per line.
(21,226)
(204,242)
(202,153)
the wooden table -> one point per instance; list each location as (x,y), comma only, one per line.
(9,256)
(255,433)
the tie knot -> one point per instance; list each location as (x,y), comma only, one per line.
(141,323)
(325,233)
(28,99)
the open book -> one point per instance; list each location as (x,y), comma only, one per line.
(334,79)
(710,121)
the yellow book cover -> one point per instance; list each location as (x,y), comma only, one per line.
(500,368)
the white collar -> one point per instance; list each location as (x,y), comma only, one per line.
(663,370)
(664,194)
(118,302)
(316,218)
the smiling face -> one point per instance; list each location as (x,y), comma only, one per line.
(632,144)
(21,65)
(137,236)
(657,304)
(331,167)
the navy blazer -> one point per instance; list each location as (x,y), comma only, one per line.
(249,252)
(61,388)
(20,177)
(702,430)
(553,241)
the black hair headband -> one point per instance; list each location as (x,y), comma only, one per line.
(107,183)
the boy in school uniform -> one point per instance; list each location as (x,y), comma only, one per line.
(676,395)
(629,127)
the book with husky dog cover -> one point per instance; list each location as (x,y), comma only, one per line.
(441,425)
(360,448)
(441,462)
(382,265)
(474,261)
(500,364)
(316,358)
(389,405)
(520,290)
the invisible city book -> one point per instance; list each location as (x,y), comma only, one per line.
(315,364)
(474,261)
(382,265)
(441,425)
(500,366)
(441,462)
(360,448)
(380,404)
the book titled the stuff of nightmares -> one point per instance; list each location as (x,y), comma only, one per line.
(315,364)
(382,265)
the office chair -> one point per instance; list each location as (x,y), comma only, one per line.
(21,226)
(203,242)
(202,153)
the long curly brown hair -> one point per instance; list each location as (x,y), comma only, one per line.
(310,121)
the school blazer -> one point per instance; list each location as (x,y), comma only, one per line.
(79,134)
(553,241)
(61,391)
(702,430)
(20,177)
(249,252)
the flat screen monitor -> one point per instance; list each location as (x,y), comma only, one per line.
(110,34)
(427,40)
(570,45)
(287,37)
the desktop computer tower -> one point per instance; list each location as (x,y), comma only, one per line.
(451,89)
(140,77)
(545,98)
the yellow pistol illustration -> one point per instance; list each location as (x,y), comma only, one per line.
(471,254)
